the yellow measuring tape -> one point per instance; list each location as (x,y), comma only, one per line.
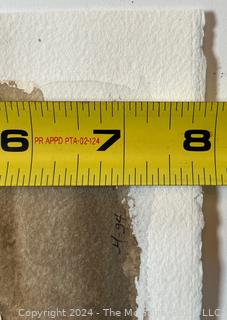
(113,143)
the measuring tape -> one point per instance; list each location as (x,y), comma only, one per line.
(113,143)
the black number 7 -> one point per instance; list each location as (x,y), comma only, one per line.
(116,134)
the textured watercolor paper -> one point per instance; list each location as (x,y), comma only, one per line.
(57,246)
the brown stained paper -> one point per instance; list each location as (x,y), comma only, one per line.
(64,248)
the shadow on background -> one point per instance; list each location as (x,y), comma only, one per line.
(212,65)
(210,252)
(211,263)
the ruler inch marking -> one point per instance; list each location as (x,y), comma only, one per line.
(18,175)
(23,180)
(111,177)
(100,172)
(147,173)
(169,170)
(187,179)
(100,112)
(59,180)
(199,179)
(31,158)
(41,107)
(124,145)
(7,170)
(65,108)
(135,105)
(170,116)
(205,109)
(88,176)
(77,168)
(41,177)
(141,106)
(88,110)
(215,141)
(65,177)
(18,111)
(53,110)
(204,176)
(147,118)
(35,180)
(164,106)
(11,180)
(6,112)
(182,109)
(77,116)
(193,178)
(181,176)
(53,173)
(193,112)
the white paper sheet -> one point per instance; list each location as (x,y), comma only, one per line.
(140,55)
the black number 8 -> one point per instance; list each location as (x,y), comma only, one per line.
(190,138)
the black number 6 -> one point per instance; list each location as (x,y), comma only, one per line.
(7,140)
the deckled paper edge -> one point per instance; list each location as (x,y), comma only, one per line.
(140,223)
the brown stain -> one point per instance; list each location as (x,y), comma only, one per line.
(56,248)
(10,91)
(10,293)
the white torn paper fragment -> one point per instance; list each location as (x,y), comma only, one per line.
(167,223)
